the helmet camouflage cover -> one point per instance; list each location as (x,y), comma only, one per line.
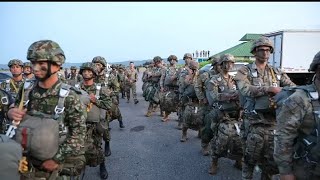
(172,57)
(157,59)
(27,64)
(262,41)
(315,62)
(215,60)
(187,55)
(100,59)
(89,65)
(46,50)
(227,57)
(73,68)
(15,61)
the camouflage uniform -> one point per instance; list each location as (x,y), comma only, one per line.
(296,148)
(70,154)
(10,85)
(169,87)
(259,115)
(28,64)
(223,91)
(182,73)
(94,154)
(194,111)
(122,75)
(133,77)
(6,101)
(154,76)
(74,78)
(145,79)
(201,89)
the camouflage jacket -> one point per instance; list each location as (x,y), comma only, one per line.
(184,82)
(295,119)
(104,100)
(145,77)
(12,86)
(169,76)
(200,83)
(156,73)
(102,79)
(6,101)
(113,83)
(133,74)
(74,116)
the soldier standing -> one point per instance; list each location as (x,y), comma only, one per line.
(258,82)
(169,88)
(297,145)
(201,89)
(74,78)
(57,149)
(121,75)
(183,72)
(102,78)
(154,76)
(27,71)
(226,140)
(13,84)
(133,76)
(99,98)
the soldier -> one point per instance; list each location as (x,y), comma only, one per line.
(27,71)
(169,88)
(154,75)
(187,57)
(114,86)
(145,79)
(13,84)
(74,78)
(54,115)
(258,82)
(224,93)
(6,101)
(200,87)
(99,98)
(132,85)
(102,78)
(194,112)
(122,75)
(297,147)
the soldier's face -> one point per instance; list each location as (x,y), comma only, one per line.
(73,71)
(87,74)
(40,69)
(227,66)
(262,53)
(16,70)
(27,70)
(187,60)
(99,67)
(131,65)
(173,62)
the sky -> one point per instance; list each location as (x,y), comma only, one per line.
(125,31)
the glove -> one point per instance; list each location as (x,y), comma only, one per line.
(23,165)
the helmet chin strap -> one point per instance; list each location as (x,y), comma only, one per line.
(48,74)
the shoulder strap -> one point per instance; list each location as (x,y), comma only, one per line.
(98,87)
(8,85)
(63,93)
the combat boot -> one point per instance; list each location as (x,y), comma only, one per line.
(136,101)
(205,149)
(214,167)
(165,117)
(120,122)
(184,135)
(238,164)
(148,113)
(103,171)
(107,150)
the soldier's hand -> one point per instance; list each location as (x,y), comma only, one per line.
(16,114)
(93,98)
(50,165)
(274,90)
(287,177)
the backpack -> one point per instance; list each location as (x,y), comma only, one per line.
(307,146)
(6,101)
(11,154)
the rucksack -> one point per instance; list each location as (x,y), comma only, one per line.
(11,154)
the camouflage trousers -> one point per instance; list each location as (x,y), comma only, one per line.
(133,88)
(106,134)
(206,131)
(258,150)
(94,152)
(72,169)
(226,142)
(114,112)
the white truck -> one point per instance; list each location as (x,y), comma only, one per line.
(294,51)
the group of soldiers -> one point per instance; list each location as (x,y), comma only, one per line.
(58,122)
(259,117)
(54,126)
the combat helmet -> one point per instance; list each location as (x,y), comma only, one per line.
(100,59)
(27,64)
(227,57)
(46,50)
(15,61)
(215,60)
(73,68)
(157,59)
(194,65)
(172,57)
(187,55)
(89,65)
(262,41)
(315,62)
